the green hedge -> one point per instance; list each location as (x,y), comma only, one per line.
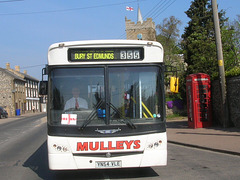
(233,72)
(230,73)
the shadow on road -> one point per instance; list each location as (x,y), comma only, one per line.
(38,162)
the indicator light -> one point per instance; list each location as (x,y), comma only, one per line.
(61,45)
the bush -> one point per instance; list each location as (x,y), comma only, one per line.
(173,96)
(233,72)
(230,73)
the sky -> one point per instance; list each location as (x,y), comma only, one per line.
(29,27)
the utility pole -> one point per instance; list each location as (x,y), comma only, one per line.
(220,64)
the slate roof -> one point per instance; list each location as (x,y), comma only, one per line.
(26,76)
(12,74)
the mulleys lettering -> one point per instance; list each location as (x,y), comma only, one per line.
(119,145)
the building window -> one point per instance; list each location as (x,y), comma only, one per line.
(27,105)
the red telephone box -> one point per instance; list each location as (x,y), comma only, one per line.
(198,100)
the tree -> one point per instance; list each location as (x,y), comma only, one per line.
(236,26)
(233,32)
(168,37)
(199,40)
(230,50)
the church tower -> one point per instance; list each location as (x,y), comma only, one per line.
(142,30)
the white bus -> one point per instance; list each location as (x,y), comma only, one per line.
(118,119)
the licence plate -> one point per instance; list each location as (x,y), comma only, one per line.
(108,164)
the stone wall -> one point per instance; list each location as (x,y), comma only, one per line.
(233,96)
(6,96)
(233,92)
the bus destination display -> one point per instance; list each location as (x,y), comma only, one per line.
(105,54)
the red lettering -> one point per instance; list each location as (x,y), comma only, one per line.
(137,144)
(129,144)
(82,147)
(68,118)
(119,145)
(110,146)
(102,146)
(94,148)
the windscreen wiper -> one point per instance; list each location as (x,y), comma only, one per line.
(127,121)
(92,115)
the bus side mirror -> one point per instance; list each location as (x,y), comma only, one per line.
(174,84)
(43,90)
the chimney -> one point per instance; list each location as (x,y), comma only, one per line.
(17,68)
(7,66)
(25,71)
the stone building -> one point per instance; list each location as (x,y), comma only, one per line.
(18,91)
(142,30)
(12,91)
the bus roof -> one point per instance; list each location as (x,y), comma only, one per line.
(58,52)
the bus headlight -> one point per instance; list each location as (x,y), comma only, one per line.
(60,148)
(155,144)
(150,146)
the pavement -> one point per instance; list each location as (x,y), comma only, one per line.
(216,138)
(10,119)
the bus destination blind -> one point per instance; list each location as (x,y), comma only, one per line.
(105,54)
